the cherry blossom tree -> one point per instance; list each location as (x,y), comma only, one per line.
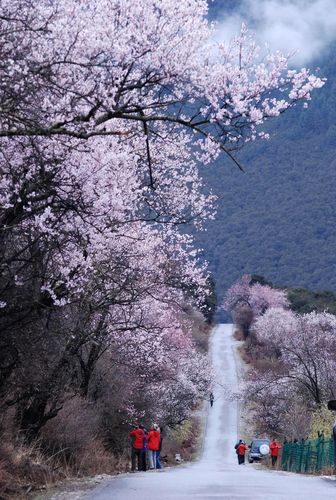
(115,68)
(238,294)
(167,374)
(305,346)
(264,297)
(247,301)
(296,366)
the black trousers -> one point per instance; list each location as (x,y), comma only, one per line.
(241,459)
(143,460)
(274,460)
(136,457)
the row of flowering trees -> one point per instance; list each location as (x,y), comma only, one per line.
(293,370)
(106,109)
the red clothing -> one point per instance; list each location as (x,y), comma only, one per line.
(242,448)
(153,440)
(275,447)
(139,435)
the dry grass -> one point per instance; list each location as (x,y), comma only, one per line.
(244,354)
(328,471)
(70,446)
(200,332)
(96,460)
(8,482)
(238,334)
(22,468)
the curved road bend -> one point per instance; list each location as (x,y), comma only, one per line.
(216,475)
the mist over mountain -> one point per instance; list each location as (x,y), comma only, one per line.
(278,219)
(301,28)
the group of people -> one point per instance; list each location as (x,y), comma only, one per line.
(241,447)
(146,448)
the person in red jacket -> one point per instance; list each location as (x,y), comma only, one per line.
(153,445)
(240,448)
(137,435)
(274,447)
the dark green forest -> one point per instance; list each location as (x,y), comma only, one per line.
(219,8)
(278,218)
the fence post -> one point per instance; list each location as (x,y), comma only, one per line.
(296,455)
(291,456)
(324,454)
(285,457)
(308,458)
(302,445)
(318,453)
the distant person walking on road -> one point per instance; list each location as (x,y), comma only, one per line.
(153,445)
(212,399)
(240,448)
(274,447)
(137,436)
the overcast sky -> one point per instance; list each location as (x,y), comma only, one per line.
(304,26)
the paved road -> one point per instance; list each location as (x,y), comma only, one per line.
(216,475)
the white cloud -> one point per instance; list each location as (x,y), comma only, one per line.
(305,27)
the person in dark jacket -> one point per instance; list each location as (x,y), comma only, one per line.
(137,435)
(211,399)
(240,448)
(143,453)
(158,453)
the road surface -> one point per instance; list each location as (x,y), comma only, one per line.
(217,475)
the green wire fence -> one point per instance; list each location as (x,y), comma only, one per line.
(308,456)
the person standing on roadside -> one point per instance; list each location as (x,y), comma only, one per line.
(153,444)
(240,448)
(212,399)
(274,447)
(158,453)
(137,435)
(143,453)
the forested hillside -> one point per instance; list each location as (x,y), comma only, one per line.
(278,218)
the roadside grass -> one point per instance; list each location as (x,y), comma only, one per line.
(25,469)
(22,468)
